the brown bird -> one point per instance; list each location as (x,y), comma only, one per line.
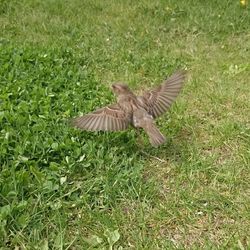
(138,111)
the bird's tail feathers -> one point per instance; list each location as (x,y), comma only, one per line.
(156,138)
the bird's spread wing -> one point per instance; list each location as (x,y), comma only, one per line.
(160,99)
(110,118)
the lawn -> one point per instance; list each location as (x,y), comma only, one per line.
(61,188)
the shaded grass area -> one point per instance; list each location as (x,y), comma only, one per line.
(69,189)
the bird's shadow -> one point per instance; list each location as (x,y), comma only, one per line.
(171,150)
(128,144)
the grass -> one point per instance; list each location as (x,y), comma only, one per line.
(61,188)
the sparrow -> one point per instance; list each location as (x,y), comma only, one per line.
(136,111)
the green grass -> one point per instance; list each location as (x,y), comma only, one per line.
(61,188)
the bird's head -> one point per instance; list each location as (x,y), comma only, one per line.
(120,88)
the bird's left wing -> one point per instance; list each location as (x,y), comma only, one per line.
(109,118)
(158,100)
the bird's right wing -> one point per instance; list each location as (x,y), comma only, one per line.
(109,118)
(160,99)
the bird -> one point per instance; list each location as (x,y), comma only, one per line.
(138,111)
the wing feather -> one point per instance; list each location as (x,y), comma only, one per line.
(110,118)
(160,99)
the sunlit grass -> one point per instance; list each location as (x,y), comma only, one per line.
(67,189)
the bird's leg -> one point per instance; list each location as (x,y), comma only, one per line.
(139,138)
